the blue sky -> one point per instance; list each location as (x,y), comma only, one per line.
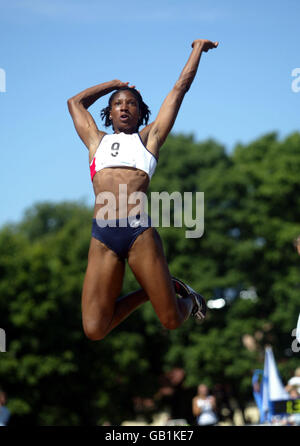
(52,49)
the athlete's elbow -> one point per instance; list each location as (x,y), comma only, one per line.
(70,103)
(73,102)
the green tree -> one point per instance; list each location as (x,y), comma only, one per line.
(55,376)
(251,218)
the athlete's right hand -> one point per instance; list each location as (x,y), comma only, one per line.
(125,84)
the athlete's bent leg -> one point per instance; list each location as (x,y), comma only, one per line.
(147,260)
(101,308)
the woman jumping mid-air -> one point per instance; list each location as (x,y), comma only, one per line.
(128,158)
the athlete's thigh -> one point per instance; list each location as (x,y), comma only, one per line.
(149,265)
(102,283)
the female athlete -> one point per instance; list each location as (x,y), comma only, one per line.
(121,164)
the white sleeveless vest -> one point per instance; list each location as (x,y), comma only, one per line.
(123,150)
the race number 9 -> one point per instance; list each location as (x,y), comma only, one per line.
(115,149)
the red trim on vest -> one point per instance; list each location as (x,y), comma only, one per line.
(93,168)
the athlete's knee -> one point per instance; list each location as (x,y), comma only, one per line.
(94,330)
(171,322)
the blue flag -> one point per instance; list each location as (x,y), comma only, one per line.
(269,389)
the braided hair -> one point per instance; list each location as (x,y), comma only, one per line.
(144,109)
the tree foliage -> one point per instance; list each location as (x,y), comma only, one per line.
(55,376)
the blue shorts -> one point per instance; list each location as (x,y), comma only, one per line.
(120,234)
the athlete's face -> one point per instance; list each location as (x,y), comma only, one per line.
(125,113)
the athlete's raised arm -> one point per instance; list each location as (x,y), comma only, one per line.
(83,120)
(160,128)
